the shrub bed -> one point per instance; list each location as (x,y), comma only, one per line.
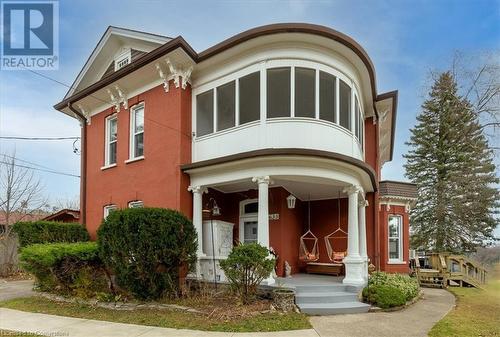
(246,266)
(69,268)
(146,248)
(388,290)
(30,233)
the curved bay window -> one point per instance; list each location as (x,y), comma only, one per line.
(290,92)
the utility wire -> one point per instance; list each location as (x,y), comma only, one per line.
(26,161)
(104,101)
(39,138)
(39,169)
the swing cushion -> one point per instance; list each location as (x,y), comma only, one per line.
(309,257)
(339,256)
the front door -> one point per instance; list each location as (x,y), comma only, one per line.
(249,231)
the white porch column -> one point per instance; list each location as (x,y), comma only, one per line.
(353,261)
(263,212)
(362,236)
(263,217)
(198,214)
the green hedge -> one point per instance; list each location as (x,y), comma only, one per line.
(30,233)
(146,248)
(384,296)
(73,268)
(388,290)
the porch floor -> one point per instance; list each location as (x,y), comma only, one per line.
(307,280)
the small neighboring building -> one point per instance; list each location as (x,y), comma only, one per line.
(282,126)
(64,215)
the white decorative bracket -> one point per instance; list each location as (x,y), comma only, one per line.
(123,97)
(85,113)
(178,74)
(162,76)
(118,98)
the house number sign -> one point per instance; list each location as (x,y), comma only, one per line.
(274,216)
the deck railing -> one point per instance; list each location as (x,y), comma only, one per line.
(444,269)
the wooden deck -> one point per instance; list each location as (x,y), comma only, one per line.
(445,269)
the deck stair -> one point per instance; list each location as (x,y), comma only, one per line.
(329,299)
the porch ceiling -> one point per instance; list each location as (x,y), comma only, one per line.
(304,190)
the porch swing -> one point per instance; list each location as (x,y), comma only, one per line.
(308,250)
(337,234)
(336,266)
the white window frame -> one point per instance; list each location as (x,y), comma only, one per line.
(108,142)
(136,204)
(108,209)
(133,110)
(246,217)
(399,259)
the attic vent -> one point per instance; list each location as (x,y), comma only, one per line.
(123,59)
(122,63)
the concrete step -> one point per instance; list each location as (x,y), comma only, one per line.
(323,297)
(353,307)
(323,288)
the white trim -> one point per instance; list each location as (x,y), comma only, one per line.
(107,209)
(246,217)
(107,142)
(136,204)
(128,161)
(245,202)
(398,260)
(292,92)
(108,166)
(132,132)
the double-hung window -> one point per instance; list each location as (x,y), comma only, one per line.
(137,131)
(136,204)
(395,238)
(111,140)
(108,209)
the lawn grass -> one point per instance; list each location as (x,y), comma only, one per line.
(162,318)
(477,312)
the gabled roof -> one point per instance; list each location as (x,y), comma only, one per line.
(66,211)
(112,41)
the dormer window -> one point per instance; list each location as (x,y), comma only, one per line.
(122,59)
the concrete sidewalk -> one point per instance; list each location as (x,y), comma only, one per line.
(15,289)
(51,325)
(415,321)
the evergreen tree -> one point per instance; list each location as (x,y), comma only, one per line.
(451,164)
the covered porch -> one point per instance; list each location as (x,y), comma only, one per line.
(253,199)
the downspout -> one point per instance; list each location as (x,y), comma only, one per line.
(83,165)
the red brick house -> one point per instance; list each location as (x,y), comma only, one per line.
(281,127)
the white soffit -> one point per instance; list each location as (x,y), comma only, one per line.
(385,111)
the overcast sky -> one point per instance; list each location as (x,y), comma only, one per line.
(405,40)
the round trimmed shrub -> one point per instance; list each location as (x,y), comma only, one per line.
(384,296)
(145,248)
